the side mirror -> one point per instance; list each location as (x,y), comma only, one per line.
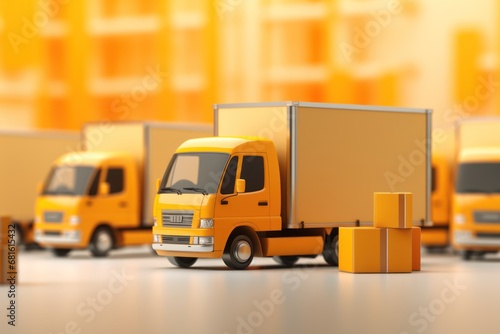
(240,185)
(39,188)
(158,182)
(104,189)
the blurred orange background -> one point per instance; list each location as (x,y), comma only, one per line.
(66,62)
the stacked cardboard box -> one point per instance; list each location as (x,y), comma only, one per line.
(4,222)
(391,245)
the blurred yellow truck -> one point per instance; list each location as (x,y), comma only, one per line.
(101,198)
(476,201)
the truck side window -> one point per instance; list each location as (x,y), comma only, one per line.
(95,184)
(252,171)
(434,179)
(229,180)
(114,178)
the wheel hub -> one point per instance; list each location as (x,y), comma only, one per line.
(103,241)
(242,251)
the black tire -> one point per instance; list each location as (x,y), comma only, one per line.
(239,252)
(436,249)
(331,249)
(19,237)
(287,261)
(182,262)
(61,252)
(467,255)
(102,242)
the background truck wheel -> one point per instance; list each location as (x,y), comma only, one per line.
(19,236)
(331,249)
(467,255)
(287,261)
(61,252)
(239,252)
(102,242)
(182,262)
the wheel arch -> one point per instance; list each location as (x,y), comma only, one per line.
(248,231)
(114,234)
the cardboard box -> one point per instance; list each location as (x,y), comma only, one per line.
(392,210)
(4,227)
(375,250)
(2,264)
(416,247)
(4,251)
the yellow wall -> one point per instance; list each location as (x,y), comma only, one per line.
(78,61)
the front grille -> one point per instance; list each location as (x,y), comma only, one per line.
(177,218)
(53,216)
(490,217)
(174,239)
(488,235)
(52,233)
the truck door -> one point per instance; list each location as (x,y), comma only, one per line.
(251,205)
(117,207)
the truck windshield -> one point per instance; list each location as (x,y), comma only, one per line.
(478,178)
(68,180)
(194,172)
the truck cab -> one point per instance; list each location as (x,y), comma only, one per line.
(476,202)
(86,197)
(235,180)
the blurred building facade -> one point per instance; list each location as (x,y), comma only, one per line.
(63,63)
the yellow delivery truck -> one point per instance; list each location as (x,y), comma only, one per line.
(102,197)
(278,179)
(26,157)
(476,201)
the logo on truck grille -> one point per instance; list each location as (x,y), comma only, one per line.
(176,219)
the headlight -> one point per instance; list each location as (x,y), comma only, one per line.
(156,238)
(155,221)
(459,218)
(206,223)
(206,240)
(74,220)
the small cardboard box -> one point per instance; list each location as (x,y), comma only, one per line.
(416,247)
(392,210)
(4,229)
(375,250)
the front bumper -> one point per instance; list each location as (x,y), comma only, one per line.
(183,248)
(64,237)
(468,239)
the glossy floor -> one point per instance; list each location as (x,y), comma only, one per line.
(133,291)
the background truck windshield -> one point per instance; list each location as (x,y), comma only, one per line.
(478,178)
(68,180)
(199,172)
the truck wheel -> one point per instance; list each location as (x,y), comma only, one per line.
(102,242)
(287,261)
(19,236)
(240,252)
(61,252)
(467,255)
(182,262)
(331,249)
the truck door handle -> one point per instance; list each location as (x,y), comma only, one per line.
(263,203)
(123,204)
